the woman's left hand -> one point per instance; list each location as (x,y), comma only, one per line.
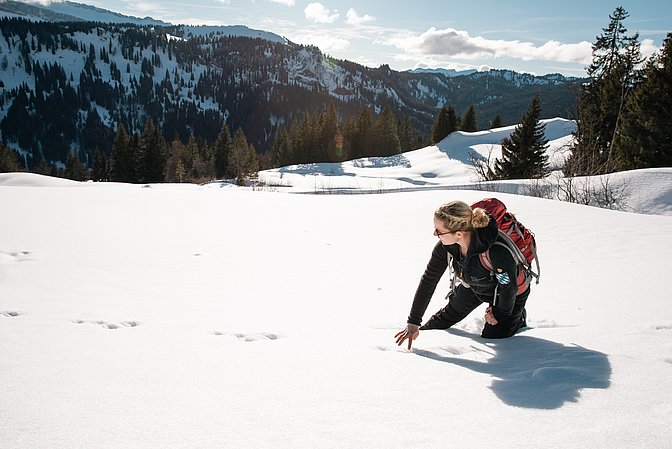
(489,317)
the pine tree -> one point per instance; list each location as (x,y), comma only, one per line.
(405,132)
(453,120)
(100,166)
(175,170)
(327,135)
(440,129)
(601,102)
(153,154)
(496,122)
(222,150)
(282,151)
(469,122)
(646,136)
(444,124)
(74,169)
(123,159)
(524,152)
(243,158)
(9,160)
(386,138)
(362,135)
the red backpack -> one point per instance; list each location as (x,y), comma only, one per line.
(514,237)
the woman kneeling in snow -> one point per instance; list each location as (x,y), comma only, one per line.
(464,234)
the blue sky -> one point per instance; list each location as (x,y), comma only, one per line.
(537,37)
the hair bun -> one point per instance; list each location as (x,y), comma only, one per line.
(479,218)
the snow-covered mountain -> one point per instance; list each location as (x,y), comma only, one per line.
(446,72)
(122,72)
(66,11)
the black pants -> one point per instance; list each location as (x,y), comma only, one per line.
(464,301)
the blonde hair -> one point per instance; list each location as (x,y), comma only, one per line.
(458,216)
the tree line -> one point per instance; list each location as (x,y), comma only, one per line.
(623,116)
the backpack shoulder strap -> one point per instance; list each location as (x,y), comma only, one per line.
(486,261)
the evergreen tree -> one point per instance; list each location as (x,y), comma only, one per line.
(123,158)
(601,102)
(74,169)
(524,152)
(282,151)
(469,122)
(440,129)
(646,136)
(328,131)
(222,149)
(385,138)
(9,160)
(175,170)
(243,158)
(100,166)
(445,123)
(496,122)
(153,154)
(453,120)
(362,137)
(405,132)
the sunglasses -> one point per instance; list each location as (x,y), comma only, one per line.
(439,233)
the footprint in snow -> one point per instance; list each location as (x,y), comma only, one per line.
(13,256)
(108,325)
(263,336)
(10,314)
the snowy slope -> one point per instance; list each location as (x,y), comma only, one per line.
(447,166)
(446,163)
(189,316)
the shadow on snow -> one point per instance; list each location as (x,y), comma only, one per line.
(531,372)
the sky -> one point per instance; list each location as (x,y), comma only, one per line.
(537,37)
(215,316)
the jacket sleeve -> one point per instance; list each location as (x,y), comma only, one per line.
(506,274)
(437,265)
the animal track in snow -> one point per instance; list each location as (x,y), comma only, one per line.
(262,336)
(108,325)
(13,256)
(382,348)
(663,327)
(10,313)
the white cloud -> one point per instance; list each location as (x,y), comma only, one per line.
(285,2)
(226,2)
(317,12)
(145,7)
(325,42)
(355,19)
(648,47)
(456,43)
(43,2)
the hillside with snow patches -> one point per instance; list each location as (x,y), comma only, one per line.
(190,80)
(182,316)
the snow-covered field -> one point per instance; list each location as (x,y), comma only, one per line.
(184,316)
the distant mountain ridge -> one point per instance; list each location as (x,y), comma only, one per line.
(447,72)
(67,11)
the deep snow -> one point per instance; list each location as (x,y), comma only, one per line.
(188,316)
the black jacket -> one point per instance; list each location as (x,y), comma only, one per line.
(471,272)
